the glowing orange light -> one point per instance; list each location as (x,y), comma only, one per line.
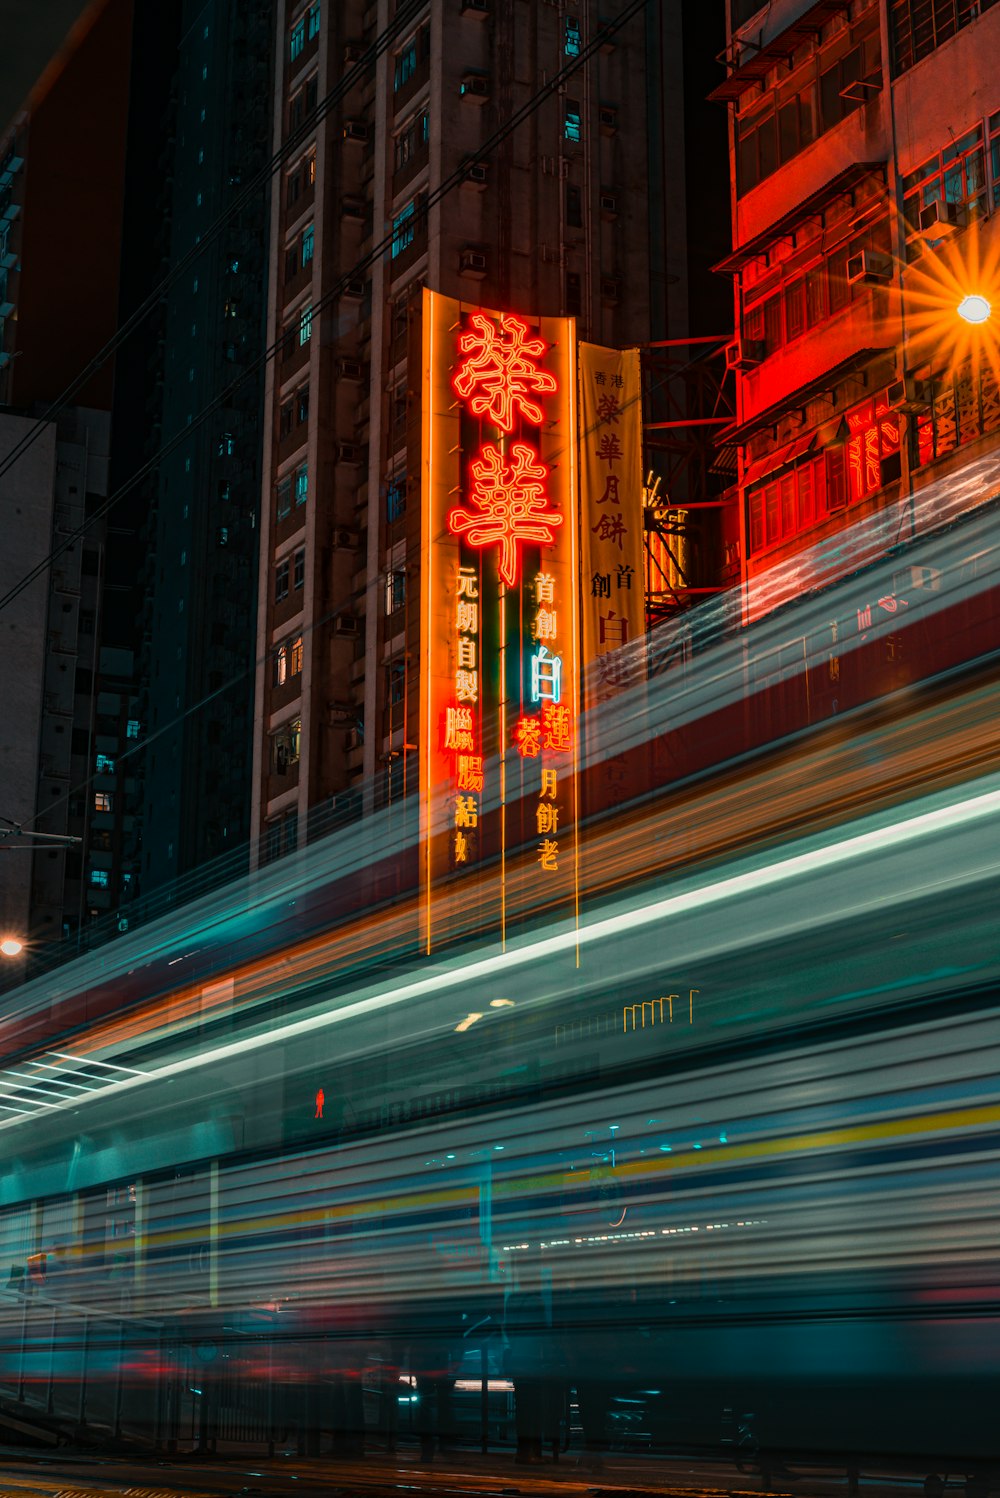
(974,308)
(511,503)
(528,737)
(951,327)
(557,727)
(502,374)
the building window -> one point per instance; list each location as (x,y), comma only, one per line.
(574,294)
(835,80)
(395,500)
(288,660)
(286,746)
(572,128)
(955,175)
(305,324)
(283,499)
(574,207)
(297,40)
(406,66)
(919,26)
(312,22)
(300,567)
(308,243)
(291,261)
(302,404)
(99,878)
(397,682)
(104,765)
(395,590)
(132,728)
(403,229)
(293,186)
(104,801)
(301,485)
(281,575)
(227,445)
(571,37)
(286,419)
(311,169)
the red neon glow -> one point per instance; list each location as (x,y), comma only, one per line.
(511,505)
(501,373)
(528,737)
(557,727)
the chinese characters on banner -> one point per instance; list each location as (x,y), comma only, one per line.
(612,613)
(498,604)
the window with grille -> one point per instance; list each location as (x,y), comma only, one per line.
(918,27)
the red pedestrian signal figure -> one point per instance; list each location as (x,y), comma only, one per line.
(320,1100)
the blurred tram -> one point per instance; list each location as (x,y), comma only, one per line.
(722,1158)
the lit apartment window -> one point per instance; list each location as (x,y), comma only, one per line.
(301,485)
(132,728)
(312,22)
(571,39)
(286,746)
(572,128)
(406,66)
(283,498)
(297,40)
(403,228)
(302,404)
(295,656)
(300,567)
(305,323)
(99,878)
(288,660)
(308,244)
(104,801)
(311,169)
(281,665)
(281,575)
(104,765)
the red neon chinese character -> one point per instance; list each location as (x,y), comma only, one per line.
(511,501)
(557,727)
(501,372)
(458,729)
(528,737)
(469,774)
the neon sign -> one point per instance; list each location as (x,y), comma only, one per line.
(502,371)
(510,498)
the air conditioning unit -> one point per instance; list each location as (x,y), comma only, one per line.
(354,51)
(475,7)
(608,118)
(477,174)
(609,205)
(9,261)
(345,539)
(353,208)
(909,395)
(345,624)
(355,130)
(472,263)
(937,219)
(475,86)
(744,353)
(868,269)
(353,740)
(611,289)
(349,369)
(348,452)
(354,289)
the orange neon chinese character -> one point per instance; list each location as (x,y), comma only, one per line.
(502,372)
(545,588)
(461,847)
(548,855)
(511,503)
(546,817)
(528,737)
(467,685)
(467,617)
(466,812)
(469,773)
(557,727)
(548,784)
(458,730)
(467,652)
(546,624)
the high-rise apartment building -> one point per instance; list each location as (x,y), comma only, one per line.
(865,175)
(425,164)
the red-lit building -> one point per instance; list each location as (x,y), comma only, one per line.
(865,181)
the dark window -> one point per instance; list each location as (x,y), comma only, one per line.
(302,404)
(300,567)
(920,26)
(281,573)
(574,294)
(286,417)
(574,207)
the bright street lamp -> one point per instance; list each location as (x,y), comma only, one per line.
(11,947)
(974,308)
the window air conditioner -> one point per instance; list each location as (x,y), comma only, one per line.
(354,51)
(475,7)
(476,175)
(939,219)
(608,118)
(355,130)
(476,87)
(909,395)
(744,354)
(345,539)
(345,624)
(354,289)
(609,204)
(348,452)
(349,369)
(352,207)
(473,263)
(868,269)
(352,740)
(611,289)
